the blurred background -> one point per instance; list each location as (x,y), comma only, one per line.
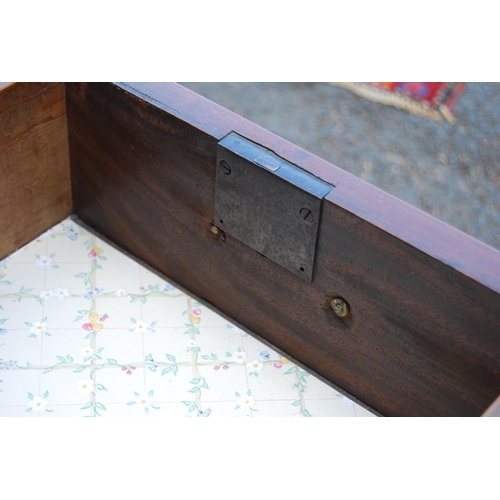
(449,171)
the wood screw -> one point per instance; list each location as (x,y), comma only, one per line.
(307,215)
(340,307)
(226,168)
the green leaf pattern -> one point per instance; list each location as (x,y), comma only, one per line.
(97,370)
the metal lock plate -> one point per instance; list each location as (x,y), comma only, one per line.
(268,203)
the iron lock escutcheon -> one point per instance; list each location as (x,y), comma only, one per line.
(268,203)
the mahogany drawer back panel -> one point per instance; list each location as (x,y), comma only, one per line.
(423,334)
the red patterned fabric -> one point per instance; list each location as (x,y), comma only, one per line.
(433,94)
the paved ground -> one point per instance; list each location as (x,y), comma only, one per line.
(449,171)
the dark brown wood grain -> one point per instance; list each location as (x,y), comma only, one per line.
(423,338)
(35,188)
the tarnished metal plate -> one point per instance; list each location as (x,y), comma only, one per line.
(268,203)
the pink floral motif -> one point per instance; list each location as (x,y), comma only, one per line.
(277,365)
(95,252)
(87,327)
(216,368)
(197,312)
(128,369)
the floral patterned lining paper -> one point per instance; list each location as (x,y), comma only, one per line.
(86,331)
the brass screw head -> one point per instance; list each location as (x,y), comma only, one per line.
(340,307)
(214,229)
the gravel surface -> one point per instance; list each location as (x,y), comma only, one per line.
(449,171)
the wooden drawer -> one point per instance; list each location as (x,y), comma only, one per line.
(422,336)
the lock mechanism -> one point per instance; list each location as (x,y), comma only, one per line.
(268,203)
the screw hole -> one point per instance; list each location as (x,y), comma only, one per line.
(221,221)
(302,269)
